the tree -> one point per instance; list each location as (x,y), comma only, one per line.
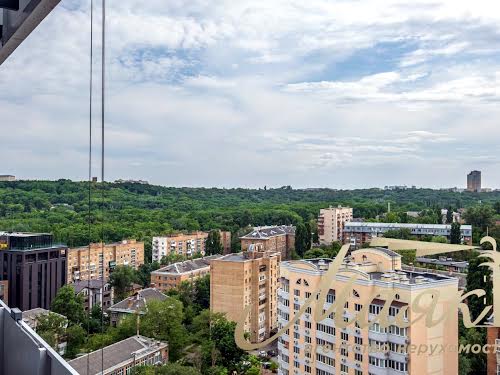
(143,273)
(163,321)
(75,339)
(449,216)
(121,279)
(52,328)
(439,239)
(213,244)
(168,369)
(70,305)
(302,239)
(478,277)
(496,207)
(408,256)
(315,253)
(480,216)
(455,234)
(401,234)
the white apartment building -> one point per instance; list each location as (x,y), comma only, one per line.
(331,223)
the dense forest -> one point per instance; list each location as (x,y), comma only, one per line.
(131,210)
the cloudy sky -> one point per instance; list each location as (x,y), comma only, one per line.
(230,93)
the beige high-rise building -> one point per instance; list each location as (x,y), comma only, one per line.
(321,348)
(331,223)
(125,253)
(279,238)
(246,279)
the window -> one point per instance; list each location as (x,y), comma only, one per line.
(358,340)
(296,364)
(308,324)
(377,362)
(296,350)
(358,357)
(308,339)
(358,307)
(355,293)
(326,360)
(296,293)
(326,329)
(308,294)
(344,336)
(307,369)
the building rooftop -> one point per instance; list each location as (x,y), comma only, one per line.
(80,285)
(116,354)
(97,244)
(403,225)
(372,271)
(269,232)
(30,317)
(443,262)
(187,266)
(138,301)
(22,234)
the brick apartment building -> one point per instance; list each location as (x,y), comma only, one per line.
(124,253)
(170,277)
(34,267)
(279,238)
(186,244)
(331,223)
(246,279)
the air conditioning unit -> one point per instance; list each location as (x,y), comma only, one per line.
(344,360)
(307,332)
(358,331)
(358,364)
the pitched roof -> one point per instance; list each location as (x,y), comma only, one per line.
(83,284)
(138,301)
(270,232)
(187,266)
(116,354)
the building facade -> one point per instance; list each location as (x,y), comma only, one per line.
(7,178)
(125,253)
(359,233)
(4,291)
(94,293)
(322,348)
(474,181)
(225,238)
(331,223)
(247,279)
(493,358)
(122,357)
(185,244)
(170,277)
(34,267)
(135,304)
(279,238)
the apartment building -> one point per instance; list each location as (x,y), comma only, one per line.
(280,238)
(34,267)
(474,181)
(186,244)
(135,304)
(331,223)
(246,279)
(94,293)
(4,291)
(81,266)
(171,276)
(359,233)
(122,357)
(493,339)
(321,348)
(7,178)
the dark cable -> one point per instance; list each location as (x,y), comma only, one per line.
(90,165)
(103,86)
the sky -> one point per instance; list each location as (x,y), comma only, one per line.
(232,93)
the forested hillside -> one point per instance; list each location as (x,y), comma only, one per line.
(141,211)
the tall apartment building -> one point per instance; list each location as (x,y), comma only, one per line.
(34,267)
(474,181)
(279,238)
(246,279)
(225,238)
(125,253)
(170,277)
(7,178)
(359,233)
(321,348)
(331,223)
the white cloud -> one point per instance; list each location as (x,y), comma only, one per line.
(204,93)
